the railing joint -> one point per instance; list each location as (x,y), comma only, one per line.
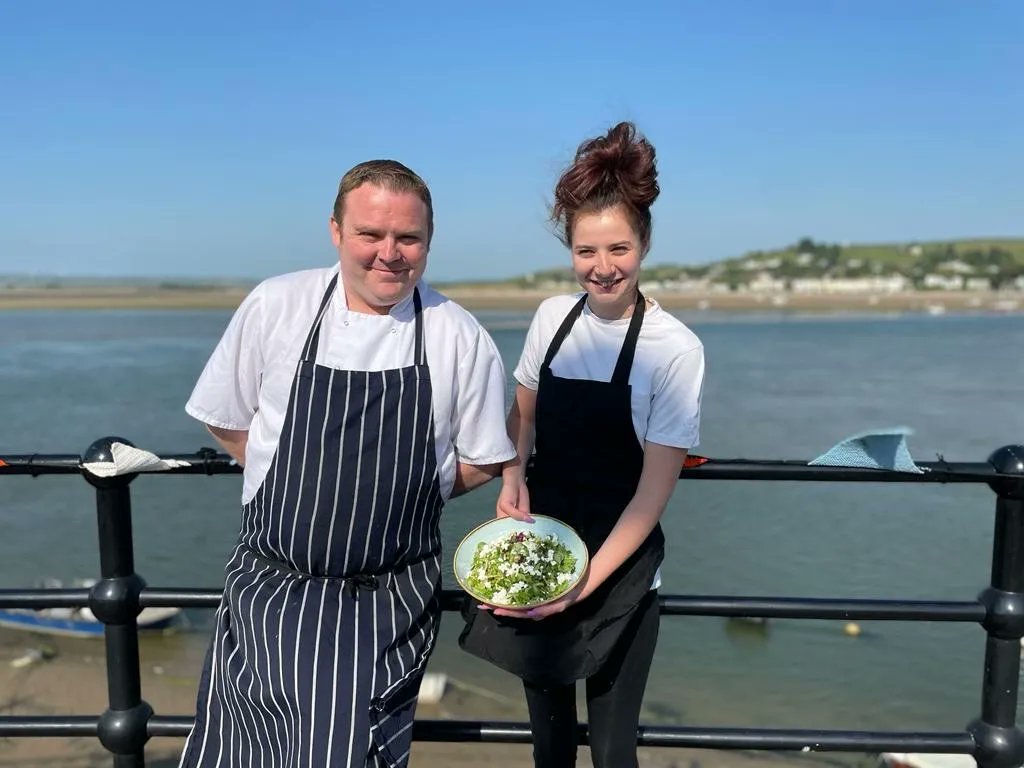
(101,451)
(115,600)
(1008,462)
(125,731)
(997,746)
(1004,613)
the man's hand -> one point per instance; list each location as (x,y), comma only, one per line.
(470,476)
(233,441)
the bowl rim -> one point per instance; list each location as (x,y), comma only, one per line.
(569,588)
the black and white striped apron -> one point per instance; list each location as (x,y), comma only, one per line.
(331,601)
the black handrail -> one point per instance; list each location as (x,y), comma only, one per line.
(992,739)
(207,462)
(671,605)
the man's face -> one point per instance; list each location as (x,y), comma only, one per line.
(382,242)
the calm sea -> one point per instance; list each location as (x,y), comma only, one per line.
(777,387)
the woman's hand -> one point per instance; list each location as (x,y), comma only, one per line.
(514,499)
(574,595)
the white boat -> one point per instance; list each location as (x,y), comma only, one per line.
(925,760)
(78,622)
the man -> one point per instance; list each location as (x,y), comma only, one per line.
(358,400)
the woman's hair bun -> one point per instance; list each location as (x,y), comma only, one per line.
(617,168)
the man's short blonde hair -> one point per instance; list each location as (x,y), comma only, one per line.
(387,174)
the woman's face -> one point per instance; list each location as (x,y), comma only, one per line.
(606,255)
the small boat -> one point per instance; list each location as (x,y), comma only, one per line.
(915,760)
(78,622)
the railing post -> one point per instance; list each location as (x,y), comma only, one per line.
(115,601)
(998,743)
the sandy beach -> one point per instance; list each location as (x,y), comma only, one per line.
(509,299)
(121,297)
(170,668)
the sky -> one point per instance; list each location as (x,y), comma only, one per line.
(207,139)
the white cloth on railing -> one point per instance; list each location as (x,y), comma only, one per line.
(875,449)
(128,459)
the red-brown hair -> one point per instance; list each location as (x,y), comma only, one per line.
(615,169)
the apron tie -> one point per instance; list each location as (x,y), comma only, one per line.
(361,581)
(354,583)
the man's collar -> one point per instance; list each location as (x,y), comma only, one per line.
(403,308)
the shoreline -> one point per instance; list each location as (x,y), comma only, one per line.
(476,298)
(170,665)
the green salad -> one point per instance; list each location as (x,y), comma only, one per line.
(521,568)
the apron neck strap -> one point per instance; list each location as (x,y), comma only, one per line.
(313,337)
(625,362)
(626,354)
(563,331)
(421,355)
(309,349)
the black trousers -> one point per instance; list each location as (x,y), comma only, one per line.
(614,696)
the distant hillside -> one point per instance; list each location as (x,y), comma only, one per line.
(965,264)
(10,281)
(997,262)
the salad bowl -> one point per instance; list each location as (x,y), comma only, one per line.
(507,563)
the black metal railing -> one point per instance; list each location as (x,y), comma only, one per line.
(992,739)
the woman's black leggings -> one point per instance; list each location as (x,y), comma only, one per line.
(614,695)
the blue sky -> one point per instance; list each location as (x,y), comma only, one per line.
(207,139)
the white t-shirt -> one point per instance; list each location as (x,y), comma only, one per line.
(666,380)
(247,381)
(667,375)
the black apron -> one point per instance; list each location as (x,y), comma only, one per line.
(585,471)
(331,601)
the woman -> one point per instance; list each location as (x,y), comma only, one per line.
(607,404)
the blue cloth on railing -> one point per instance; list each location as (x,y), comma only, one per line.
(877,449)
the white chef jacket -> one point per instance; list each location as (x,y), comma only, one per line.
(247,380)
